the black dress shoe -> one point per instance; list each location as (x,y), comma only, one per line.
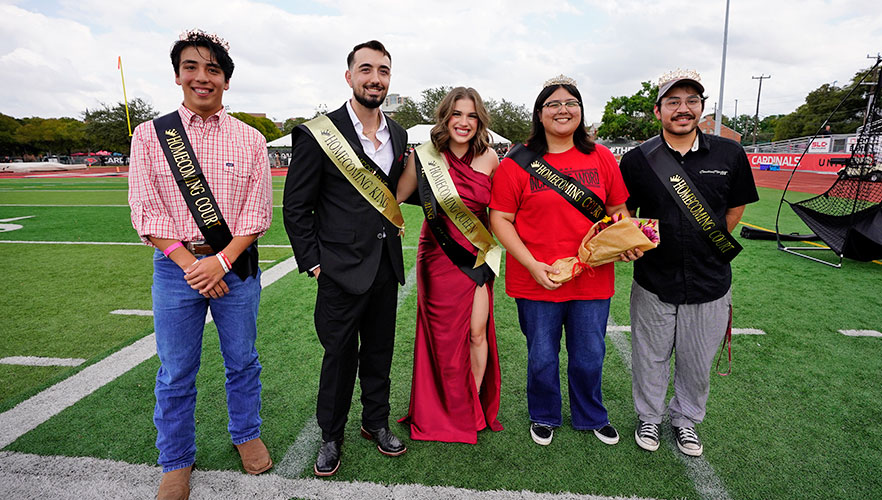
(328,460)
(387,443)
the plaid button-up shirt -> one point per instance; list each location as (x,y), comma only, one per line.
(233,158)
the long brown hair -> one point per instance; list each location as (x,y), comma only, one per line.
(441,135)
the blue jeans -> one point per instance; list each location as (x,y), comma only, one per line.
(179,319)
(585,323)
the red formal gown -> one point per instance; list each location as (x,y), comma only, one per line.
(444,404)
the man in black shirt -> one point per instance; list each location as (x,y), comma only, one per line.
(681,297)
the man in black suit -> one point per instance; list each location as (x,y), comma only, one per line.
(353,250)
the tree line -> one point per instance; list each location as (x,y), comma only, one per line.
(628,117)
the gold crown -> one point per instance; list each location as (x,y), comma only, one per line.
(679,74)
(197,34)
(559,80)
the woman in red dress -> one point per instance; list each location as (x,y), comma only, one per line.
(455,388)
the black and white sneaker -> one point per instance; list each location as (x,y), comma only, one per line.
(687,441)
(541,434)
(646,436)
(607,434)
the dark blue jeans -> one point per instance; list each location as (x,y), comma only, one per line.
(179,319)
(585,325)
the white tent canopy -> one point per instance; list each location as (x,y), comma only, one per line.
(281,142)
(419,134)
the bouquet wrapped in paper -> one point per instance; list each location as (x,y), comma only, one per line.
(567,269)
(613,236)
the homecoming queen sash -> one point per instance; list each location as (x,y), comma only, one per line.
(437,189)
(366,182)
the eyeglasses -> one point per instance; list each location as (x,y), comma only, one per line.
(555,105)
(692,101)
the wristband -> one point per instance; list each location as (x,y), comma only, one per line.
(229,264)
(223,262)
(171,248)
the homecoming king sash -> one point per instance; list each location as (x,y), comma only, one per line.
(366,182)
(437,189)
(200,201)
(580,197)
(689,199)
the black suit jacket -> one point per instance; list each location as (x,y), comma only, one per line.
(328,222)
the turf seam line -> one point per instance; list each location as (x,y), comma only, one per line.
(40,361)
(700,472)
(32,412)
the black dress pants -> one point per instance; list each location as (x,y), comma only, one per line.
(341,320)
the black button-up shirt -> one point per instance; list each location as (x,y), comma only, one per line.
(684,269)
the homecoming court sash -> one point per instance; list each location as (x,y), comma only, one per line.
(366,182)
(689,200)
(437,190)
(200,200)
(580,197)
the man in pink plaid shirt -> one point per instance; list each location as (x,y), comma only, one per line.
(189,277)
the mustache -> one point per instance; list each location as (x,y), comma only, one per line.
(375,87)
(684,115)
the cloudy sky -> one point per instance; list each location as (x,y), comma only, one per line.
(58,58)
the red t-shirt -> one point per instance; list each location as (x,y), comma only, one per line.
(550,227)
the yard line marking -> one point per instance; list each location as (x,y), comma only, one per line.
(133,312)
(23,242)
(33,205)
(861,333)
(32,412)
(735,331)
(40,361)
(300,454)
(24,475)
(706,482)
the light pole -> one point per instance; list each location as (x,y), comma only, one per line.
(756,117)
(718,116)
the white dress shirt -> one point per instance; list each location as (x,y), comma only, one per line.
(383,156)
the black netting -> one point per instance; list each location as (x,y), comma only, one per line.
(847,216)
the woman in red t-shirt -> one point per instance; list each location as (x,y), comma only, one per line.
(538,226)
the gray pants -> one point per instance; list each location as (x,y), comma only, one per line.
(694,331)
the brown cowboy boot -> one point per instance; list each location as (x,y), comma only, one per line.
(175,485)
(255,456)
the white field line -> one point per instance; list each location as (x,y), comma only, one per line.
(24,475)
(40,361)
(861,333)
(132,312)
(735,331)
(32,412)
(65,206)
(300,454)
(126,243)
(708,485)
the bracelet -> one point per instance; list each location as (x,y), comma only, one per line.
(171,248)
(223,262)
(229,264)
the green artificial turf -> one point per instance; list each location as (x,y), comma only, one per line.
(797,417)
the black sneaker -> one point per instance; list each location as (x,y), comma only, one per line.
(607,434)
(687,441)
(646,436)
(541,434)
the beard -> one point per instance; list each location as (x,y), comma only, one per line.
(369,102)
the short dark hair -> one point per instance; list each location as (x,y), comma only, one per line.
(373,45)
(200,39)
(537,141)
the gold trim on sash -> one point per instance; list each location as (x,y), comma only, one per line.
(445,192)
(363,180)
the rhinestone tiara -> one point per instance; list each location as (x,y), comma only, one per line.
(679,74)
(559,80)
(196,34)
